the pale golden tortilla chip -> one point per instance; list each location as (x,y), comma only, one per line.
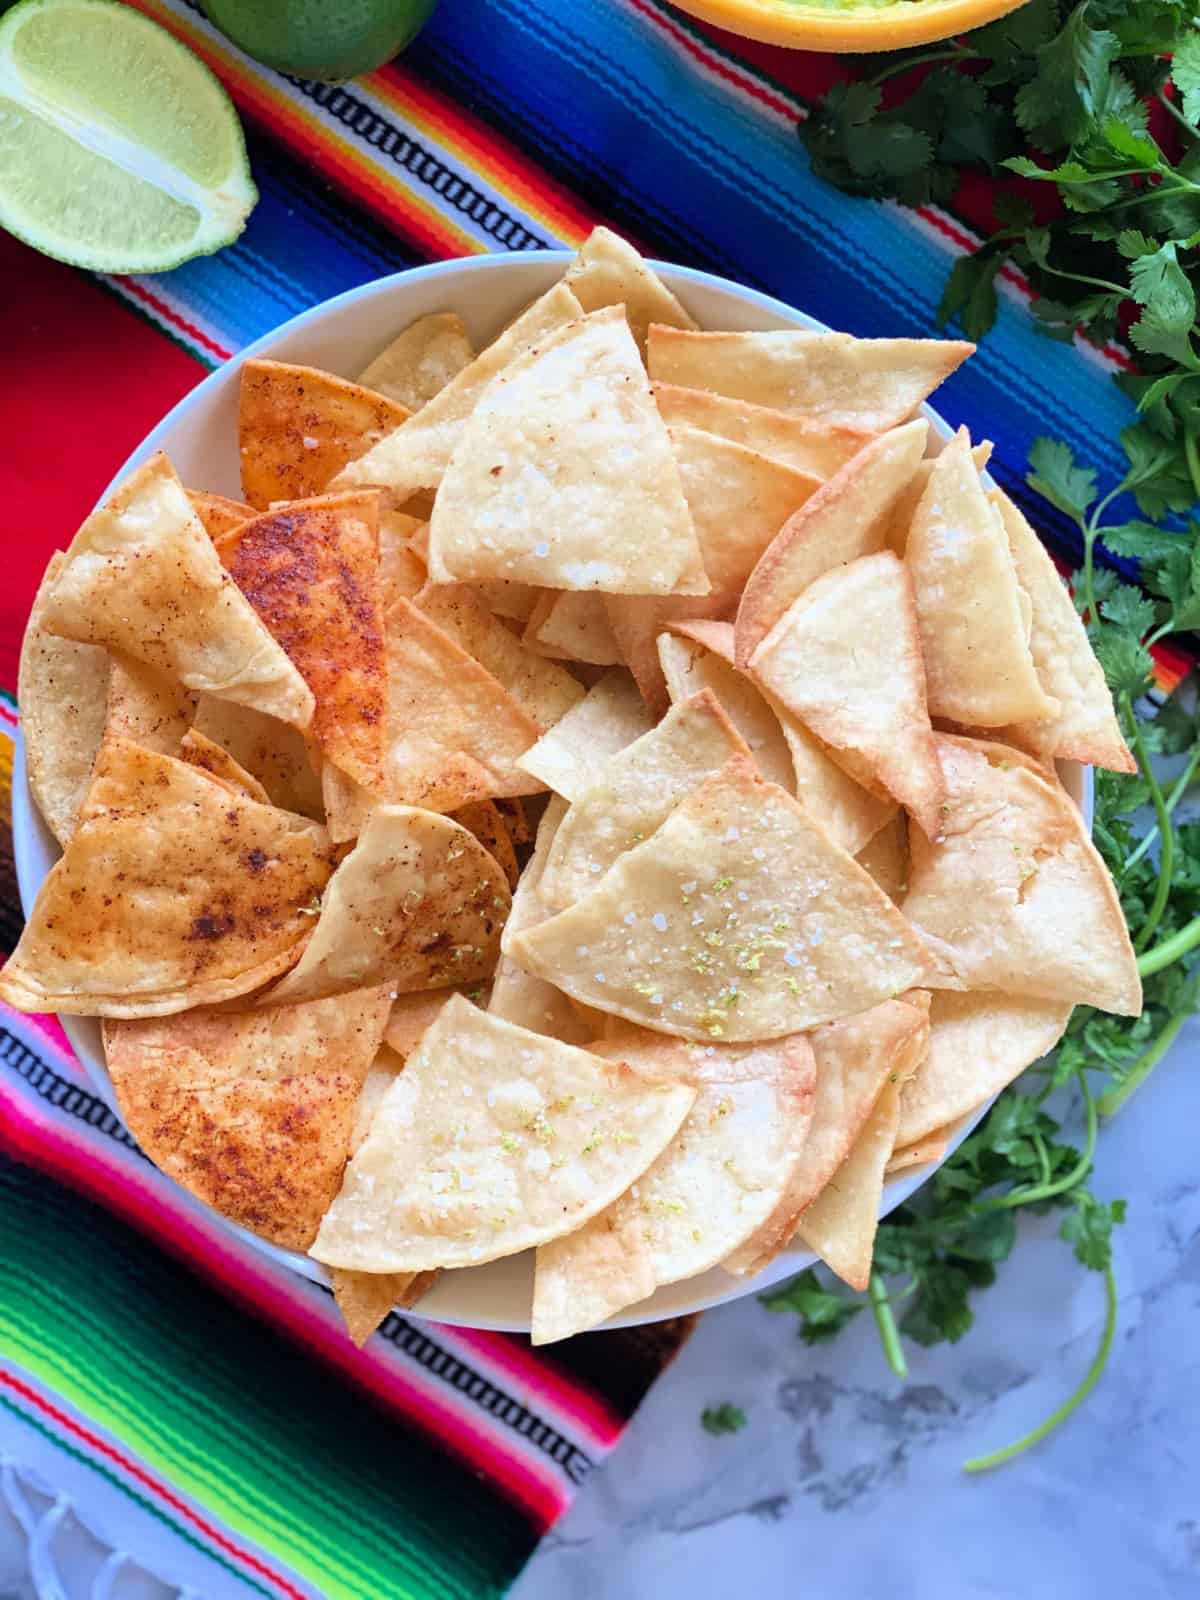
(885,857)
(572,755)
(847,518)
(214,759)
(543,690)
(272,751)
(298,427)
(62,690)
(421,360)
(365,1298)
(839,1226)
(738,919)
(402,568)
(978,1043)
(311,572)
(870,384)
(492,1140)
(148,707)
(797,442)
(608,271)
(713,1186)
(417,904)
(1013,895)
(845,658)
(854,1059)
(411,1015)
(385,1068)
(172,893)
(1086,727)
(689,666)
(974,636)
(218,513)
(251,1112)
(905,1157)
(636,792)
(900,517)
(415,456)
(574,625)
(564,476)
(487,822)
(142,577)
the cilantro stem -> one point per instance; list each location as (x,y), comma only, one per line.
(1166,857)
(1056,1418)
(1191,454)
(889,1333)
(1113,1099)
(956,52)
(1179,116)
(1177,791)
(1170,950)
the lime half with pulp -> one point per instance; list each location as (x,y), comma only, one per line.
(119,150)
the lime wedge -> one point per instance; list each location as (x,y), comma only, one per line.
(119,150)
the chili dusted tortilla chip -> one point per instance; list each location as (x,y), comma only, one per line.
(417,904)
(217,512)
(839,1225)
(739,919)
(572,624)
(421,360)
(797,442)
(608,271)
(298,427)
(62,691)
(1013,895)
(146,706)
(270,750)
(492,1140)
(571,756)
(871,384)
(564,476)
(214,759)
(173,892)
(142,577)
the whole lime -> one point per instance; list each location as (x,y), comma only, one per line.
(331,39)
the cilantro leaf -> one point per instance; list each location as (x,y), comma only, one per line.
(1069,487)
(1126,661)
(724,1418)
(1141,540)
(1089,1225)
(1185,74)
(970,293)
(823,1314)
(1129,608)
(1162,288)
(1070,84)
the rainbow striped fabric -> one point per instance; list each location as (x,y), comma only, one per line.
(201,1402)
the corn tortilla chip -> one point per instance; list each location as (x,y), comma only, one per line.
(839,1226)
(797,442)
(885,857)
(691,666)
(217,513)
(421,360)
(608,271)
(905,1157)
(272,751)
(904,507)
(402,570)
(571,756)
(574,625)
(410,1016)
(147,707)
(365,1298)
(486,821)
(214,759)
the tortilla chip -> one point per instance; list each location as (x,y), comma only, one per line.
(905,505)
(147,707)
(564,476)
(635,793)
(62,690)
(365,1298)
(411,1015)
(270,750)
(573,625)
(218,514)
(543,690)
(172,893)
(905,1157)
(421,360)
(142,577)
(212,758)
(417,904)
(512,600)
(416,456)
(969,606)
(1086,727)
(847,518)
(839,1226)
(386,1066)
(608,271)
(571,757)
(846,659)
(978,1043)
(667,940)
(690,667)
(868,384)
(485,820)
(250,1111)
(1013,895)
(298,427)
(402,571)
(885,857)
(797,442)
(491,1141)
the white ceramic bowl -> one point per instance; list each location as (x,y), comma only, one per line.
(200,436)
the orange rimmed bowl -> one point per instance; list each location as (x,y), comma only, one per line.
(849,29)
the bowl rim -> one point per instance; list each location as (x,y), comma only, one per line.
(807,26)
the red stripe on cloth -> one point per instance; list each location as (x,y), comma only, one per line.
(160,307)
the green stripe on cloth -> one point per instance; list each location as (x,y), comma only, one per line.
(275,1445)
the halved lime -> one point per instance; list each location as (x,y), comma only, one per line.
(119,150)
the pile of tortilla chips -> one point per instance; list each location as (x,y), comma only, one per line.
(594,796)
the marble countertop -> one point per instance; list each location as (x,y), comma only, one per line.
(847,1482)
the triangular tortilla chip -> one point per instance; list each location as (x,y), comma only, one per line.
(62,690)
(250,1111)
(573,625)
(1013,895)
(738,501)
(839,1226)
(411,1015)
(148,707)
(969,602)
(713,1186)
(421,360)
(486,821)
(366,1298)
(570,758)
(1086,727)
(402,569)
(885,857)
(846,659)
(847,518)
(415,456)
(386,1066)
(298,427)
(142,577)
(871,384)
(311,571)
(635,793)
(218,513)
(564,476)
(904,507)
(854,1057)
(272,751)
(739,919)
(173,892)
(417,904)
(797,442)
(544,691)
(212,758)
(690,667)
(493,1140)
(608,271)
